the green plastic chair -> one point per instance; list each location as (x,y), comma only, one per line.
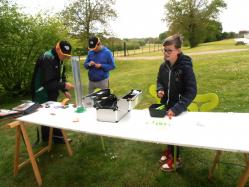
(153,93)
(201,103)
(204,103)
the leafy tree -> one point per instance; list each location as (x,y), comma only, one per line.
(192,17)
(213,31)
(162,36)
(228,35)
(22,39)
(84,17)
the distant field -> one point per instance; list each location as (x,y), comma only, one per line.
(137,163)
(220,45)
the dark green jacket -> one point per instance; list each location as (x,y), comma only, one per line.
(48,77)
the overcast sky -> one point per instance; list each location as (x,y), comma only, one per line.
(142,18)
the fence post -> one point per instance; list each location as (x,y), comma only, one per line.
(124,48)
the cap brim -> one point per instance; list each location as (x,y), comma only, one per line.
(92,48)
(66,54)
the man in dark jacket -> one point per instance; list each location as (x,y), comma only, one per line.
(49,78)
(99,62)
(176,86)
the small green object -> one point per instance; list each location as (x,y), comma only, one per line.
(80,109)
(160,107)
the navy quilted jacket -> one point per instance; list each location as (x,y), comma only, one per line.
(178,83)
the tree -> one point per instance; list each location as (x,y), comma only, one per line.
(163,35)
(22,39)
(213,31)
(191,17)
(84,17)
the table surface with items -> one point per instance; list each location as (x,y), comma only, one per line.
(220,131)
(211,130)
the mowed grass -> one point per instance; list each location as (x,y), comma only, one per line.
(130,163)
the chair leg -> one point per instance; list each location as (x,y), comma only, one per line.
(216,160)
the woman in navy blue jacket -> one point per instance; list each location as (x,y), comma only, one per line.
(176,86)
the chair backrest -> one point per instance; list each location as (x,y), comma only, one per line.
(204,102)
(153,93)
(201,103)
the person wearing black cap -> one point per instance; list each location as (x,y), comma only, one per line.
(99,62)
(49,78)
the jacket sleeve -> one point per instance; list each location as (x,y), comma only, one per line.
(110,63)
(87,61)
(49,80)
(64,79)
(159,80)
(189,91)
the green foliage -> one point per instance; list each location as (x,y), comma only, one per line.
(192,18)
(84,17)
(22,39)
(227,35)
(162,36)
(213,31)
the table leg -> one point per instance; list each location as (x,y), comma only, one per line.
(69,149)
(31,155)
(216,160)
(17,151)
(244,176)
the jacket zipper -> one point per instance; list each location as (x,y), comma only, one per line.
(168,84)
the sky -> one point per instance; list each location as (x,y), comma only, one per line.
(143,18)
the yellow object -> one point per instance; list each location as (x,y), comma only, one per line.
(153,93)
(201,103)
(204,103)
(65,101)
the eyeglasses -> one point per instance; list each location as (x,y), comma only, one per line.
(169,51)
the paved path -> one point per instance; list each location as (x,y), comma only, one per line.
(190,54)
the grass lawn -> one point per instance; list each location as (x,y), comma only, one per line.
(136,163)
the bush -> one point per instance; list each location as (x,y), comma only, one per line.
(22,40)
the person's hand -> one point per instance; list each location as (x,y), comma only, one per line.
(97,65)
(92,63)
(170,114)
(69,86)
(68,95)
(160,93)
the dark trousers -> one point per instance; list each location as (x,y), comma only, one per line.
(57,134)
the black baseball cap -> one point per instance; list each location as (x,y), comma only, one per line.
(65,47)
(93,42)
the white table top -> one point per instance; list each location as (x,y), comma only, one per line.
(211,130)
